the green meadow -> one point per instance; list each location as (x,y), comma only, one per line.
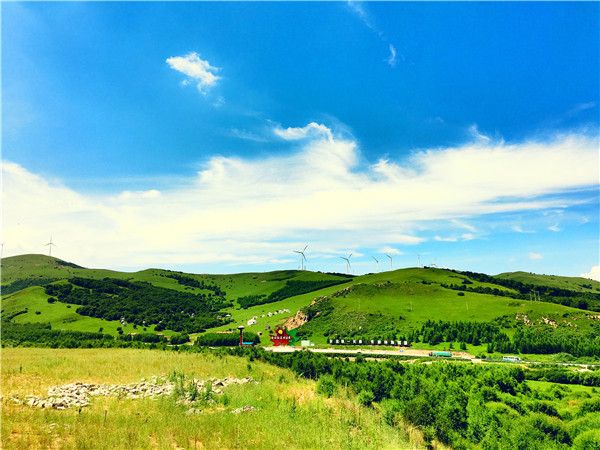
(399,300)
(288,410)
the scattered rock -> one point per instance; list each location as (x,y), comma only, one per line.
(79,394)
(243,409)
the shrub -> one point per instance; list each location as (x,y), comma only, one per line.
(178,339)
(590,440)
(326,385)
(366,397)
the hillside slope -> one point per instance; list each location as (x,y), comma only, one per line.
(389,305)
(572,283)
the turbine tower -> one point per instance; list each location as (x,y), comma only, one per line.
(49,245)
(302,256)
(391,261)
(347,259)
(377,261)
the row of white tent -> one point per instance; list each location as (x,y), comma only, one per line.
(367,342)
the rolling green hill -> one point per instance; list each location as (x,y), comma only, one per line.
(571,283)
(389,305)
(24,279)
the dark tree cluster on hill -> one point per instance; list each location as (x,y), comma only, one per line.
(549,294)
(559,340)
(291,289)
(41,334)
(247,301)
(141,303)
(225,339)
(144,337)
(527,339)
(560,375)
(433,332)
(25,283)
(462,405)
(185,280)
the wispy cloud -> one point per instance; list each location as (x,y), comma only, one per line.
(534,256)
(392,57)
(196,69)
(464,225)
(580,107)
(247,135)
(239,210)
(476,134)
(359,10)
(462,237)
(390,251)
(556,228)
(520,229)
(446,239)
(311,130)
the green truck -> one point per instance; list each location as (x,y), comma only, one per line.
(441,354)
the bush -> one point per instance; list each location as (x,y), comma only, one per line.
(391,410)
(366,397)
(178,339)
(326,385)
(590,440)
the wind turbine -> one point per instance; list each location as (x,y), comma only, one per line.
(347,259)
(377,261)
(418,260)
(49,245)
(302,256)
(391,260)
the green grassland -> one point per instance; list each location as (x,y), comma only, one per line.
(288,410)
(571,283)
(404,306)
(40,266)
(396,301)
(60,315)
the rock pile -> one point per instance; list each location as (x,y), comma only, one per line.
(75,395)
(243,409)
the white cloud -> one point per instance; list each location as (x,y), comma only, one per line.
(535,256)
(593,274)
(475,133)
(311,130)
(462,237)
(464,225)
(253,211)
(359,11)
(390,251)
(196,69)
(392,57)
(446,239)
(554,228)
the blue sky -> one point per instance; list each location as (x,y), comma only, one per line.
(218,137)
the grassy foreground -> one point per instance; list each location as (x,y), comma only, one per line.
(289,411)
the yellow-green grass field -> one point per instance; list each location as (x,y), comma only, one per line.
(289,412)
